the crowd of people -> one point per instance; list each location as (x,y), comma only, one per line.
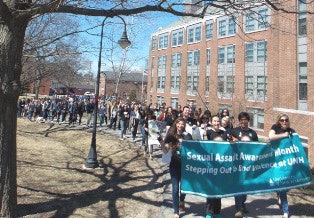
(162,126)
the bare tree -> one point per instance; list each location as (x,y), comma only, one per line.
(15,16)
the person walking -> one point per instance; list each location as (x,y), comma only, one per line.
(90,107)
(239,133)
(173,142)
(137,114)
(213,205)
(281,129)
(124,118)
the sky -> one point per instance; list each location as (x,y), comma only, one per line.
(139,30)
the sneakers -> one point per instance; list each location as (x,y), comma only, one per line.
(181,206)
(176,215)
(285,215)
(208,216)
(238,214)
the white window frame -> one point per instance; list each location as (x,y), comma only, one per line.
(194,33)
(226,26)
(176,60)
(163,41)
(177,35)
(257,51)
(193,58)
(162,61)
(256,20)
(209,29)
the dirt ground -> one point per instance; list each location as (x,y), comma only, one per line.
(52,182)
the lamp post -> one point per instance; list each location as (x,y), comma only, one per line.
(124,42)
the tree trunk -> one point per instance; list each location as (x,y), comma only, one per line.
(11,46)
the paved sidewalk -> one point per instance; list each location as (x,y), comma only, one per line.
(259,206)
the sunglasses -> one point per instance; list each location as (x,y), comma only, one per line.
(284,120)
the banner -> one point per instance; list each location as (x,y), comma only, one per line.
(223,169)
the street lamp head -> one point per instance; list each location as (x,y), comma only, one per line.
(124,42)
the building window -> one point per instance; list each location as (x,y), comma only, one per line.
(256,20)
(249,52)
(226,26)
(192,84)
(161,82)
(231,54)
(194,33)
(163,41)
(255,87)
(249,22)
(208,56)
(261,51)
(302,24)
(221,55)
(176,60)
(222,28)
(256,51)
(302,5)
(195,83)
(160,100)
(303,81)
(189,83)
(261,86)
(221,84)
(193,58)
(209,29)
(175,83)
(177,37)
(230,84)
(153,43)
(249,85)
(162,62)
(174,102)
(263,19)
(232,26)
(207,85)
(256,118)
(226,51)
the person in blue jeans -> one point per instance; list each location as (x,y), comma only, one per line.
(124,118)
(173,141)
(281,129)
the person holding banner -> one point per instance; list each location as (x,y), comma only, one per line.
(172,142)
(213,205)
(242,133)
(281,129)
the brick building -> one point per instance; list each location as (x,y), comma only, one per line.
(261,62)
(132,84)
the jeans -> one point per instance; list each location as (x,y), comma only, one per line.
(284,201)
(135,126)
(239,202)
(113,121)
(175,174)
(101,119)
(123,127)
(144,136)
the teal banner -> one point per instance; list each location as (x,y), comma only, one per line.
(223,169)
